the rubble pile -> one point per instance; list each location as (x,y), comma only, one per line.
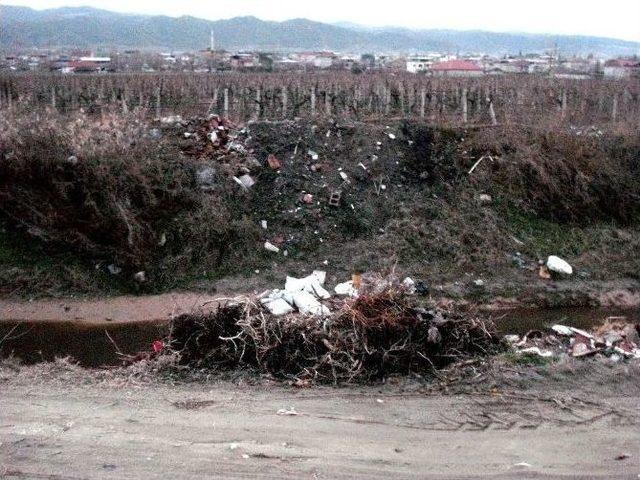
(219,145)
(614,339)
(305,334)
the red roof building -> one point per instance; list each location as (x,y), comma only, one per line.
(459,68)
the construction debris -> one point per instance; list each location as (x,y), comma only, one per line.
(334,199)
(614,339)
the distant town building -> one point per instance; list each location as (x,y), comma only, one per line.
(621,68)
(456,68)
(418,64)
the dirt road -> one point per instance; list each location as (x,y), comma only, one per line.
(99,431)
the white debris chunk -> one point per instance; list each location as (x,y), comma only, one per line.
(346,289)
(558,265)
(536,351)
(276,306)
(409,285)
(562,330)
(271,247)
(307,304)
(311,284)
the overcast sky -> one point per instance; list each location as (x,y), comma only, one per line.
(611,18)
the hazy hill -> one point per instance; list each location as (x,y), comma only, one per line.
(88,27)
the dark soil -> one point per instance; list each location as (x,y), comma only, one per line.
(408,205)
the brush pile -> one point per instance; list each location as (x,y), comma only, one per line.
(367,338)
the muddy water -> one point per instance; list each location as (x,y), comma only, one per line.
(94,346)
(522,320)
(91,346)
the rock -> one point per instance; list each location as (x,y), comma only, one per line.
(558,265)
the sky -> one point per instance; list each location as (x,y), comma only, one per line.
(613,18)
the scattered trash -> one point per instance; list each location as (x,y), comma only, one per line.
(623,456)
(263,224)
(422,289)
(536,351)
(157,346)
(274,163)
(245,181)
(558,265)
(346,289)
(271,247)
(484,198)
(543,272)
(314,155)
(612,339)
(409,285)
(171,120)
(140,277)
(290,412)
(307,198)
(344,176)
(206,177)
(276,304)
(562,330)
(114,269)
(391,136)
(478,283)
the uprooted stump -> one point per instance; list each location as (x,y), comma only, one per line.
(367,339)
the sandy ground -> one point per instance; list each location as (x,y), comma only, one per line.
(68,430)
(114,310)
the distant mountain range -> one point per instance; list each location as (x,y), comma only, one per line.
(85,27)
